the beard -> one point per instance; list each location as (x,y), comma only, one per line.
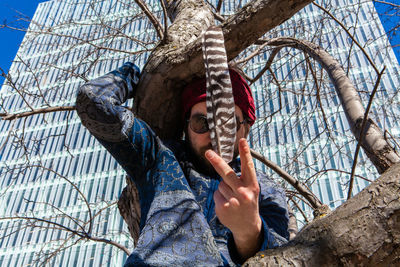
(201,162)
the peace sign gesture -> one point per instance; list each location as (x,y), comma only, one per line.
(236,200)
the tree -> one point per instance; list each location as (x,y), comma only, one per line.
(176,59)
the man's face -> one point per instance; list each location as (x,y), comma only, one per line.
(202,142)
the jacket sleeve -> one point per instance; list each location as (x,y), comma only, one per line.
(274,216)
(99,104)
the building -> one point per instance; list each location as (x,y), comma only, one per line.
(44,156)
(49,67)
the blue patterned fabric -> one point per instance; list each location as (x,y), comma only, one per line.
(178,225)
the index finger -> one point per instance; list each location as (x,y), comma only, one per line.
(223,169)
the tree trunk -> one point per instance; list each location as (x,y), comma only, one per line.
(129,208)
(364,231)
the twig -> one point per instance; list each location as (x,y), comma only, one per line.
(61,212)
(8,136)
(156,23)
(299,209)
(36,79)
(311,198)
(351,36)
(318,95)
(267,66)
(107,241)
(341,171)
(7,116)
(279,94)
(360,138)
(83,235)
(257,51)
(79,192)
(165,14)
(387,3)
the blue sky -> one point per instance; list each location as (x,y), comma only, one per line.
(11,39)
(390,19)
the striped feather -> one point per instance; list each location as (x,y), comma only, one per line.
(219,100)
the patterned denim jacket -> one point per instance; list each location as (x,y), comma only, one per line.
(178,225)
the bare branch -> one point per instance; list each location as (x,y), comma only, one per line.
(63,227)
(362,132)
(165,15)
(387,3)
(311,198)
(108,241)
(350,35)
(7,116)
(156,23)
(219,5)
(299,209)
(36,79)
(318,96)
(268,67)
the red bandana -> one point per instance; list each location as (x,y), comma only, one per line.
(195,92)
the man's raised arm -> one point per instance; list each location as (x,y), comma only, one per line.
(99,101)
(99,105)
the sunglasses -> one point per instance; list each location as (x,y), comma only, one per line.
(198,123)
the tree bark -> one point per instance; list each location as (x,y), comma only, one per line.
(364,231)
(178,59)
(129,208)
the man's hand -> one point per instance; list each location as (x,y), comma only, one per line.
(236,201)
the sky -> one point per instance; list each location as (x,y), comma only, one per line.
(390,18)
(11,39)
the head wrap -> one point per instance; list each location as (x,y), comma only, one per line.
(195,92)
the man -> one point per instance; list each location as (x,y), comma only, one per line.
(196,210)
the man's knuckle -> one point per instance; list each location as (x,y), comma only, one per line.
(246,195)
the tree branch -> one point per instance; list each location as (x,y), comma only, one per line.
(350,35)
(386,3)
(362,133)
(165,20)
(374,144)
(311,198)
(7,116)
(156,23)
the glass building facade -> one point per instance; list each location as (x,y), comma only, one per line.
(51,168)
